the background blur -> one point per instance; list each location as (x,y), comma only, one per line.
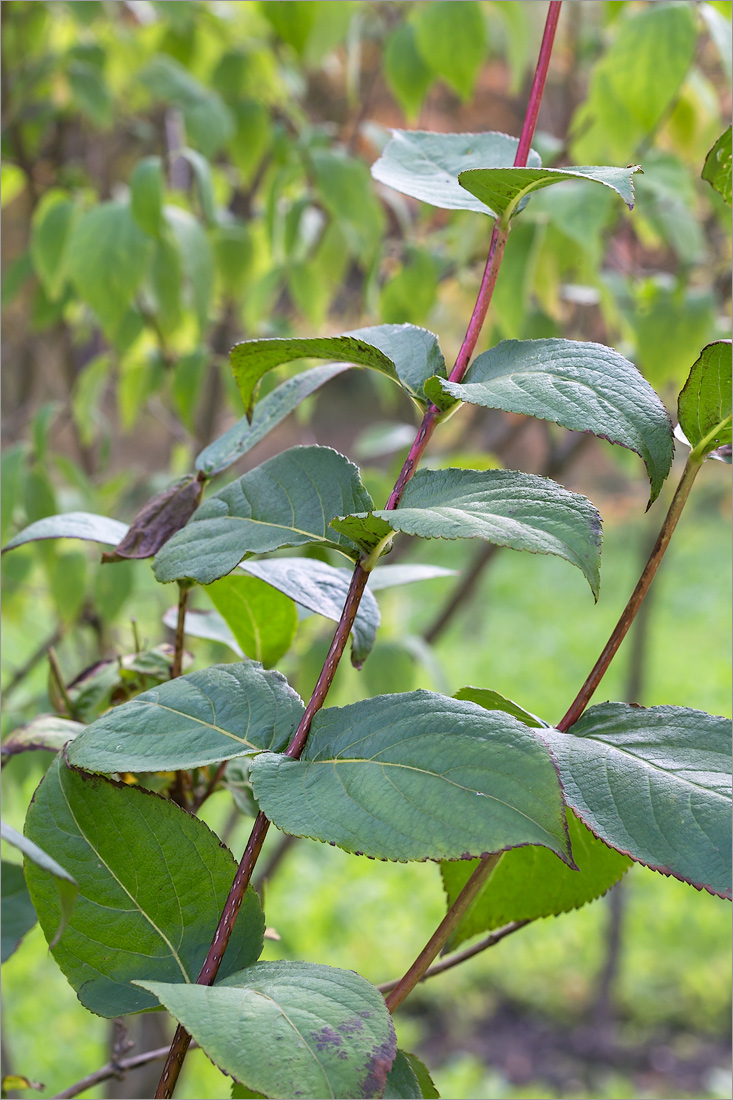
(261,120)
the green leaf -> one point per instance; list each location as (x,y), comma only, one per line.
(347,193)
(39,499)
(405,353)
(147,194)
(51,226)
(523,511)
(268,413)
(202,718)
(330,1028)
(198,260)
(294,23)
(413,777)
(166,285)
(262,620)
(64,887)
(19,916)
(108,256)
(72,525)
(530,882)
(427,1089)
(209,122)
(407,75)
(321,588)
(583,386)
(451,38)
(13,475)
(634,82)
(402,1081)
(704,406)
(90,92)
(501,190)
(426,166)
(655,785)
(87,396)
(287,501)
(492,700)
(152,883)
(45,731)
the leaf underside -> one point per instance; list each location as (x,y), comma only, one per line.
(72,525)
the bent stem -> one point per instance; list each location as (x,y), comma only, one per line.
(182,1039)
(628,615)
(443,932)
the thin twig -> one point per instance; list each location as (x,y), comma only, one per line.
(113,1069)
(443,932)
(462,956)
(628,615)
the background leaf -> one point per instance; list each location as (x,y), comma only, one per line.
(147,194)
(717,169)
(655,785)
(46,731)
(523,511)
(72,525)
(413,777)
(450,36)
(287,501)
(201,718)
(19,916)
(262,620)
(583,386)
(152,882)
(704,406)
(64,885)
(333,1033)
(426,166)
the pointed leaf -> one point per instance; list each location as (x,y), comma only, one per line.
(427,1089)
(65,887)
(718,162)
(407,75)
(158,520)
(529,883)
(262,620)
(655,785)
(583,386)
(402,1083)
(426,166)
(405,353)
(523,511)
(704,406)
(46,731)
(451,38)
(322,589)
(268,413)
(198,719)
(19,916)
(501,190)
(413,777)
(72,525)
(287,501)
(330,1028)
(152,883)
(492,700)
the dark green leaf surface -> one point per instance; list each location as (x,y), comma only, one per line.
(704,405)
(64,886)
(268,413)
(72,525)
(654,784)
(427,1089)
(583,386)
(108,255)
(19,916)
(322,589)
(492,700)
(330,1028)
(46,731)
(202,718)
(152,883)
(413,777)
(523,511)
(402,1083)
(262,620)
(501,190)
(414,351)
(530,882)
(718,162)
(287,501)
(426,166)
